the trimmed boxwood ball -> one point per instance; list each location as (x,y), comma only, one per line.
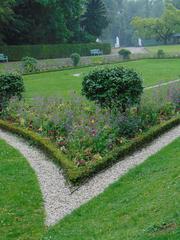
(29,65)
(11,85)
(75,57)
(125,53)
(116,87)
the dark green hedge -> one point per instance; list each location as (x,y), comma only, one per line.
(78,175)
(49,51)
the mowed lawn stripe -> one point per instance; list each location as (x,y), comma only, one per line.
(142,205)
(61,83)
(21,205)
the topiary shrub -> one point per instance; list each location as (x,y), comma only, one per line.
(11,85)
(116,87)
(160,53)
(125,53)
(29,65)
(75,57)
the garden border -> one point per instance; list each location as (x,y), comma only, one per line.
(77,175)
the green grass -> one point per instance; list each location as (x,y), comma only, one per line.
(169,49)
(21,204)
(60,83)
(142,205)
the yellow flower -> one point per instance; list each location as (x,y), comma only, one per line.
(92,121)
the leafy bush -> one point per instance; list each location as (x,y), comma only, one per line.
(29,65)
(125,53)
(49,51)
(115,87)
(127,126)
(83,131)
(75,57)
(11,85)
(160,53)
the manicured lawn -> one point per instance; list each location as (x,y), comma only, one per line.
(21,204)
(143,205)
(60,83)
(169,49)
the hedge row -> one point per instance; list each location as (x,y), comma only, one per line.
(78,175)
(50,51)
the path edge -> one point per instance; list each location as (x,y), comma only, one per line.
(77,176)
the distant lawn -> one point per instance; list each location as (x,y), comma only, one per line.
(21,204)
(142,205)
(169,49)
(60,83)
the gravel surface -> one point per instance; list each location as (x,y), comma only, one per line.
(163,84)
(58,199)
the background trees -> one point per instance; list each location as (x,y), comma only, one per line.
(159,28)
(59,21)
(95,18)
(121,12)
(51,21)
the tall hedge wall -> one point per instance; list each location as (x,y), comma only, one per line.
(49,51)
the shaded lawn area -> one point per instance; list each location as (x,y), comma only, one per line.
(61,83)
(21,204)
(142,205)
(169,49)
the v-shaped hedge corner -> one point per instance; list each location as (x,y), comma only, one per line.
(77,175)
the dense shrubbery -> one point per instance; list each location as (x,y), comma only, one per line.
(11,85)
(75,57)
(29,65)
(116,87)
(160,53)
(83,131)
(125,53)
(49,51)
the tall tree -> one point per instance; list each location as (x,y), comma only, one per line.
(43,21)
(6,14)
(95,18)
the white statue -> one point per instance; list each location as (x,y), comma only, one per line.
(139,42)
(117,44)
(97,40)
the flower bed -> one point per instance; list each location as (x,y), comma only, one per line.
(84,138)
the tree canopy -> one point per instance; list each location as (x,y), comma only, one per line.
(159,28)
(50,21)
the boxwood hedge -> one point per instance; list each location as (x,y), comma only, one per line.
(49,51)
(76,175)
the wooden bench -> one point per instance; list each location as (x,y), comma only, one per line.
(96,52)
(3,58)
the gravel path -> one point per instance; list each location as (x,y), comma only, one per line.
(162,84)
(58,199)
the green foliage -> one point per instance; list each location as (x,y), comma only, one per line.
(113,87)
(43,21)
(11,85)
(48,51)
(120,12)
(6,15)
(160,53)
(134,207)
(125,53)
(29,65)
(75,57)
(95,17)
(161,28)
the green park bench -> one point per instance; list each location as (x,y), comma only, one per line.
(3,58)
(96,52)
